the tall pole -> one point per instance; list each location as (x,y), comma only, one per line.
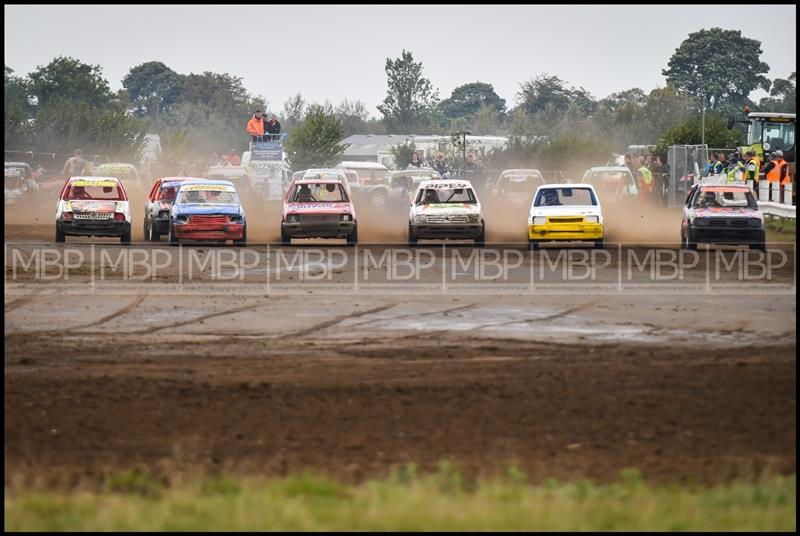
(703,123)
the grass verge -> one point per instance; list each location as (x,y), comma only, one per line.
(405,501)
(780,229)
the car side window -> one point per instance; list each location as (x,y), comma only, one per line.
(690,196)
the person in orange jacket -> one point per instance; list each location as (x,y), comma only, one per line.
(255,126)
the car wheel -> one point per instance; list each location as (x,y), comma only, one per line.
(598,244)
(60,236)
(688,241)
(481,240)
(352,238)
(242,241)
(759,246)
(412,239)
(285,240)
(152,234)
(378,198)
(533,245)
(126,237)
(173,240)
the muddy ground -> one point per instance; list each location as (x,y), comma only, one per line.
(101,378)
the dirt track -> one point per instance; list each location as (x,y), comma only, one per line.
(567,386)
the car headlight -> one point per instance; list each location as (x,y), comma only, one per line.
(591,219)
(346,217)
(420,218)
(235,219)
(293,218)
(474,218)
(754,222)
(701,221)
(181,218)
(539,220)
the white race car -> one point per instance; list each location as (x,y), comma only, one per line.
(93,206)
(444,209)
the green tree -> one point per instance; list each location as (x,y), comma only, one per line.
(410,97)
(316,141)
(152,88)
(294,111)
(402,154)
(547,93)
(467,100)
(717,133)
(721,65)
(614,101)
(783,96)
(354,117)
(69,79)
(17,110)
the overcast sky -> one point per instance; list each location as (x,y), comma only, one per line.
(338,52)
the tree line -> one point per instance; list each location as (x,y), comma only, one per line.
(67,104)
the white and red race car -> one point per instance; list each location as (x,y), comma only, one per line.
(318,208)
(93,206)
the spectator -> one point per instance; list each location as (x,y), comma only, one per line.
(233,159)
(74,166)
(416,161)
(661,178)
(272,126)
(440,165)
(255,127)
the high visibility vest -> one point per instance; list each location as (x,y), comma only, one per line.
(735,172)
(752,169)
(647,175)
(717,167)
(774,174)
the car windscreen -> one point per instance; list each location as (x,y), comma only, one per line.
(123,174)
(429,196)
(724,198)
(207,196)
(94,191)
(327,192)
(17,172)
(565,196)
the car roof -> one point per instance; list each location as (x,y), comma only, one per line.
(611,168)
(93,178)
(332,171)
(425,170)
(206,182)
(565,185)
(731,187)
(175,179)
(17,164)
(439,183)
(316,181)
(116,165)
(363,165)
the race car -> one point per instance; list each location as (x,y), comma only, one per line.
(93,206)
(722,213)
(319,208)
(236,174)
(158,204)
(206,210)
(612,182)
(127,174)
(403,185)
(445,209)
(565,213)
(516,186)
(19,184)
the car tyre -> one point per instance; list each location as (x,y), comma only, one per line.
(285,239)
(60,236)
(152,235)
(598,244)
(688,241)
(412,239)
(534,245)
(481,240)
(759,246)
(125,238)
(352,238)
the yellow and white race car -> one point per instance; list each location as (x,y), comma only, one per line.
(565,213)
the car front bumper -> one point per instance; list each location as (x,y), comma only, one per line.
(333,229)
(93,227)
(566,231)
(206,231)
(446,230)
(728,235)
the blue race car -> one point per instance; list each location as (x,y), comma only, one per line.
(207,211)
